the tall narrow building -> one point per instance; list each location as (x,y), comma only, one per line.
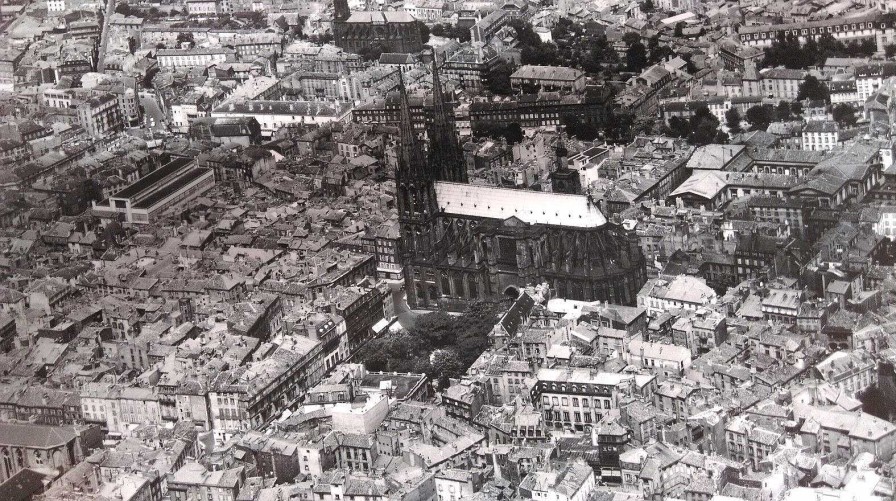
(445,156)
(415,188)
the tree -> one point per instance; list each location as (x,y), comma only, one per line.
(704,127)
(424,31)
(371,52)
(810,52)
(618,128)
(879,402)
(786,52)
(446,363)
(631,38)
(760,116)
(600,52)
(813,89)
(525,34)
(648,6)
(796,108)
(890,50)
(513,133)
(782,112)
(844,115)
(656,51)
(498,78)
(578,129)
(679,29)
(436,328)
(146,82)
(644,126)
(679,127)
(636,57)
(184,37)
(732,119)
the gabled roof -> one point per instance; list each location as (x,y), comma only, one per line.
(533,207)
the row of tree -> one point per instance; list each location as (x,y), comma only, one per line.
(761,116)
(787,51)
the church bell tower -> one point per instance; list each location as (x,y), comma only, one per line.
(415,189)
(445,155)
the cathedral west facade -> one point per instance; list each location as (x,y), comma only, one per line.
(463,242)
(393,31)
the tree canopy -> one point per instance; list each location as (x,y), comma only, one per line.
(844,115)
(732,119)
(636,57)
(761,116)
(787,51)
(512,133)
(439,344)
(813,89)
(498,78)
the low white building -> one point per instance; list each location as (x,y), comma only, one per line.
(665,360)
(272,115)
(574,482)
(685,292)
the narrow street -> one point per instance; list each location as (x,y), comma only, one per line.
(104,40)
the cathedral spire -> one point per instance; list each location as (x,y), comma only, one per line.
(410,159)
(445,156)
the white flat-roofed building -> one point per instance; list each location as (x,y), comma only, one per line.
(666,360)
(272,115)
(685,292)
(172,184)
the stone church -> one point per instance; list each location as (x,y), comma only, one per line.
(394,31)
(464,242)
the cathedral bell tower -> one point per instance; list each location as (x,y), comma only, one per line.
(445,155)
(415,189)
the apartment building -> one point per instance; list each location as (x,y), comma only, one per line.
(194,58)
(579,398)
(249,396)
(751,439)
(868,26)
(820,135)
(548,78)
(100,116)
(851,372)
